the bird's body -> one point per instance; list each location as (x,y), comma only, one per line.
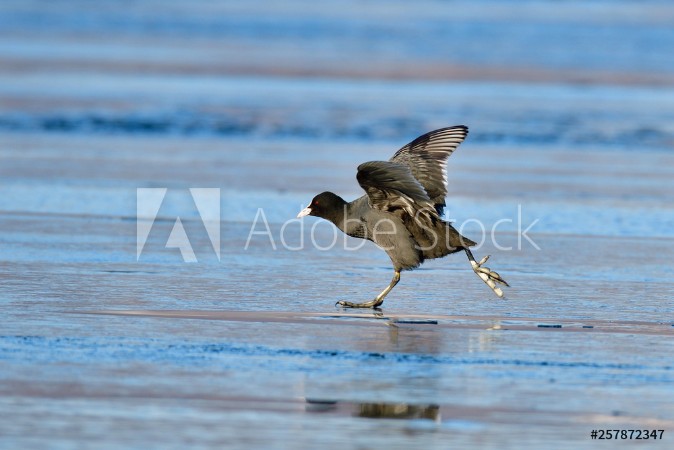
(401,210)
(407,243)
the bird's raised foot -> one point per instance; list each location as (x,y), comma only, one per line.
(371,304)
(488,276)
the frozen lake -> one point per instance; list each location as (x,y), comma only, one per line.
(571,110)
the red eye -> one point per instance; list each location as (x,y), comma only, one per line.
(316,202)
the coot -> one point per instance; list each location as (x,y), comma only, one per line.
(401,210)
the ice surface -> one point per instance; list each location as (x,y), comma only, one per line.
(570,107)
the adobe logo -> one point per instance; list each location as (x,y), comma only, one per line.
(207,203)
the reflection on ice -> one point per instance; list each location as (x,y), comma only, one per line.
(375,410)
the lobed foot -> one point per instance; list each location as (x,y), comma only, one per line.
(487,275)
(378,300)
(371,304)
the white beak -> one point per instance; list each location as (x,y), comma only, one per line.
(305,212)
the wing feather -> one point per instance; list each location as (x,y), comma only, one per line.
(426,157)
(391,186)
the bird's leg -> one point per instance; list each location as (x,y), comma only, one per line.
(378,300)
(485,273)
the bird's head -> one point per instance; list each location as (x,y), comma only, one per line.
(324,205)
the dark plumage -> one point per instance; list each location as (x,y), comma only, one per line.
(401,210)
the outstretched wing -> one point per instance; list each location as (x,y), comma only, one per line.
(426,156)
(391,186)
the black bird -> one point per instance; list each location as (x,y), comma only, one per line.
(401,210)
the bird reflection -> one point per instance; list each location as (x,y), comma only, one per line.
(398,411)
(375,410)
